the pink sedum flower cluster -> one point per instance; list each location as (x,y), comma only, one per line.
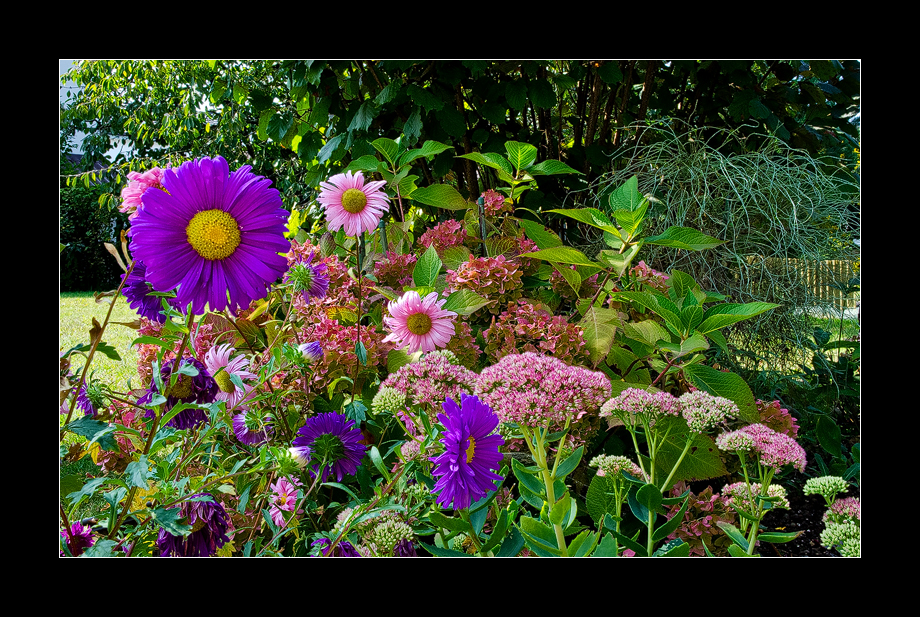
(431,381)
(772,449)
(534,390)
(633,405)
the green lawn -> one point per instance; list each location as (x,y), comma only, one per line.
(76,312)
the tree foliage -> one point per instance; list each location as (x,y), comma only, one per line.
(298,121)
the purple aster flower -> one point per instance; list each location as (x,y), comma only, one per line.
(209,522)
(216,235)
(250,428)
(138,292)
(404,548)
(342,549)
(200,388)
(79,539)
(311,352)
(330,437)
(85,403)
(464,470)
(308,278)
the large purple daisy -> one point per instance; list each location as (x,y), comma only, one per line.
(464,469)
(215,234)
(200,388)
(209,522)
(139,294)
(330,437)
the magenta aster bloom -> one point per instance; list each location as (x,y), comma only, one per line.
(284,499)
(215,234)
(464,469)
(309,279)
(79,539)
(420,324)
(331,438)
(209,522)
(200,388)
(250,428)
(342,549)
(218,358)
(352,204)
(138,292)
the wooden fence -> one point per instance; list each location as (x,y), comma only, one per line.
(815,276)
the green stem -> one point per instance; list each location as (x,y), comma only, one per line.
(667,482)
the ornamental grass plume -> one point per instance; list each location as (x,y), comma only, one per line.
(353,204)
(332,444)
(209,522)
(217,236)
(464,471)
(539,391)
(419,323)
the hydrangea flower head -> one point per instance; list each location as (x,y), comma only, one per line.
(464,470)
(223,368)
(309,279)
(209,522)
(329,439)
(138,184)
(419,322)
(493,203)
(395,269)
(353,204)
(200,388)
(444,235)
(218,236)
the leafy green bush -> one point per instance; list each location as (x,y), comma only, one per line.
(85,225)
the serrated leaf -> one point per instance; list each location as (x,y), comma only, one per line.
(453,256)
(427,268)
(542,237)
(520,155)
(590,216)
(722,315)
(551,167)
(600,499)
(626,196)
(829,436)
(464,302)
(428,149)
(441,196)
(137,473)
(563,254)
(684,238)
(599,326)
(727,385)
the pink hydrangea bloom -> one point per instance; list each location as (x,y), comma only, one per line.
(494,278)
(395,269)
(524,327)
(138,184)
(493,203)
(444,235)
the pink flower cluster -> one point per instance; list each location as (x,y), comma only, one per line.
(431,381)
(395,270)
(633,405)
(444,235)
(494,278)
(534,390)
(493,203)
(844,509)
(138,184)
(704,412)
(737,495)
(773,449)
(524,327)
(654,279)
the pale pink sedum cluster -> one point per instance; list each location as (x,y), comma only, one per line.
(772,449)
(609,465)
(635,405)
(431,381)
(737,495)
(534,390)
(704,412)
(842,510)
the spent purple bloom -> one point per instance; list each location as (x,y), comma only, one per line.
(330,440)
(209,522)
(200,388)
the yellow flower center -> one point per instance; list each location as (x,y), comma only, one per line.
(213,234)
(224,382)
(354,200)
(419,323)
(471,450)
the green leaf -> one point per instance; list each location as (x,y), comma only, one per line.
(329,148)
(732,532)
(88,489)
(527,479)
(599,326)
(627,196)
(95,431)
(551,168)
(464,302)
(429,148)
(558,513)
(170,520)
(721,315)
(453,256)
(727,385)
(520,155)
(583,544)
(544,238)
(427,268)
(137,472)
(649,496)
(102,548)
(443,552)
(441,196)
(626,541)
(702,462)
(355,410)
(776,537)
(828,434)
(600,499)
(448,522)
(539,535)
(592,217)
(675,521)
(563,254)
(361,352)
(674,548)
(684,238)
(512,544)
(490,159)
(569,464)
(374,453)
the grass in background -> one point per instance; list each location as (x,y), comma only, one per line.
(76,311)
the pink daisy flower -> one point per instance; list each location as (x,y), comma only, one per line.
(284,499)
(420,324)
(351,203)
(218,357)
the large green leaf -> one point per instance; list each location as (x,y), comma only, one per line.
(427,268)
(702,462)
(429,148)
(599,326)
(388,148)
(490,159)
(627,196)
(543,237)
(551,167)
(721,315)
(684,238)
(464,302)
(441,196)
(565,255)
(520,155)
(727,385)
(590,216)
